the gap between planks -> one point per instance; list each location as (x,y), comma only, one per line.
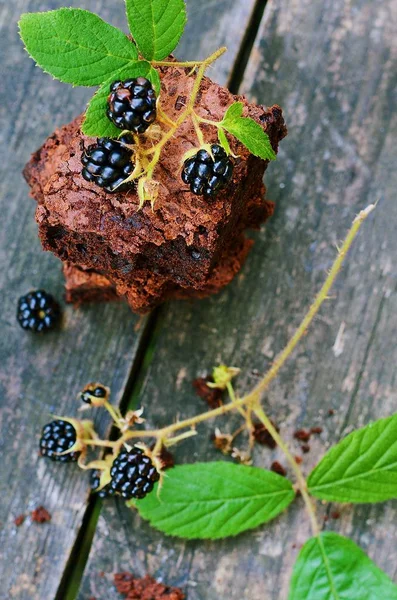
(73,573)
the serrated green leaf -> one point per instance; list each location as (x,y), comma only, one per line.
(156,25)
(224,142)
(248,132)
(96,123)
(215,500)
(233,112)
(332,567)
(361,468)
(75,46)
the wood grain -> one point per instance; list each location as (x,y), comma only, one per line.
(42,375)
(332,66)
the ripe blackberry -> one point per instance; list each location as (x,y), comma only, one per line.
(132,104)
(108,163)
(58,436)
(96,482)
(133,474)
(38,311)
(206,175)
(94,391)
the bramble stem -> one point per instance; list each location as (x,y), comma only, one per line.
(253,396)
(207,121)
(252,400)
(190,63)
(155,150)
(264,419)
(197,129)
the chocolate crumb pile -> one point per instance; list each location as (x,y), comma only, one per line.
(40,515)
(145,588)
(212,396)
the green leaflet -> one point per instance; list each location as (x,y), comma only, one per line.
(224,142)
(248,132)
(332,567)
(96,123)
(156,25)
(215,500)
(361,468)
(76,46)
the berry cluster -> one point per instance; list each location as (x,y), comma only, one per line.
(133,474)
(57,437)
(108,163)
(38,311)
(132,104)
(205,174)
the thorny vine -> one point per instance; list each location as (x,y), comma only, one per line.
(248,404)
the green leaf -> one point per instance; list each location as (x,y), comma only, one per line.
(96,123)
(75,46)
(332,567)
(361,468)
(215,500)
(248,132)
(156,25)
(224,142)
(233,112)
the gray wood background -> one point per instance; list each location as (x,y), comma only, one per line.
(332,66)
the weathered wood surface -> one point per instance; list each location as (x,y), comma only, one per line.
(332,66)
(39,376)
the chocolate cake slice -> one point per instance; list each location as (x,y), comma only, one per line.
(145,290)
(185,235)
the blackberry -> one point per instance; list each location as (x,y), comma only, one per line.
(133,474)
(38,311)
(96,482)
(206,176)
(108,163)
(132,104)
(58,436)
(92,392)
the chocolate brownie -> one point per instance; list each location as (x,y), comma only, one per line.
(183,238)
(145,290)
(85,285)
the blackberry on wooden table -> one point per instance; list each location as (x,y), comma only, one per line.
(58,436)
(205,175)
(38,311)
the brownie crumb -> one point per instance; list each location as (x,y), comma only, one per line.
(40,515)
(335,514)
(305,448)
(213,396)
(145,588)
(19,520)
(262,435)
(302,435)
(276,467)
(298,460)
(316,430)
(331,412)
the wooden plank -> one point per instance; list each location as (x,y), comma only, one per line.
(42,375)
(331,65)
(39,376)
